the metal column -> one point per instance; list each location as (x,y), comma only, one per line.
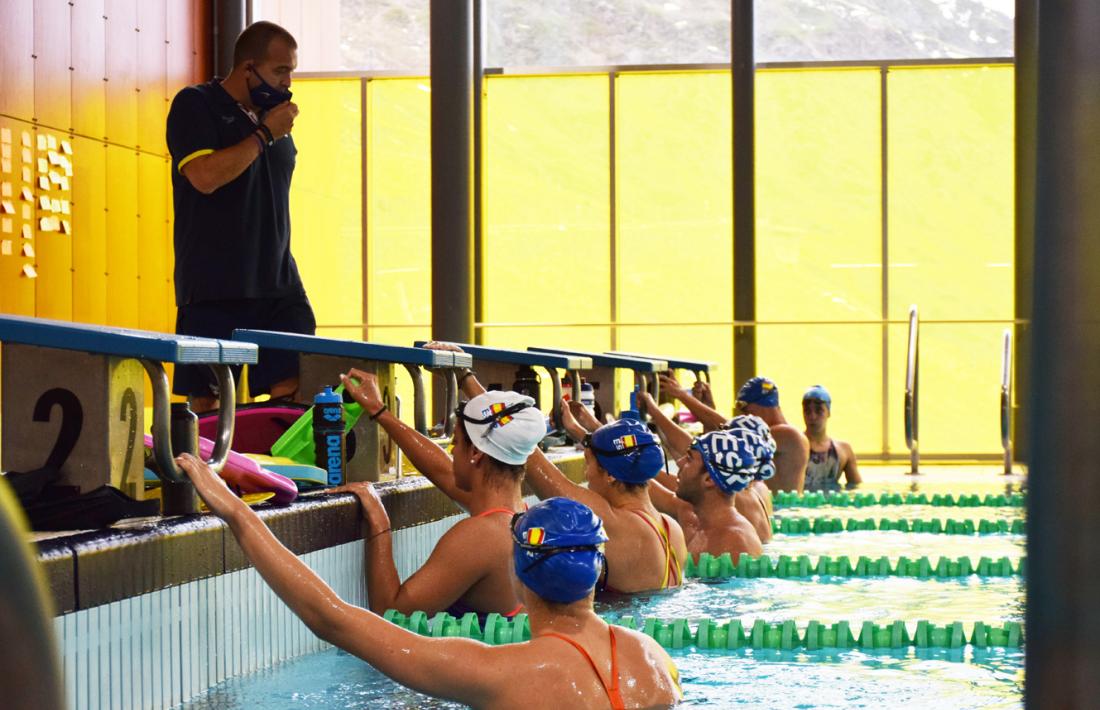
(229,22)
(743,66)
(452,70)
(1063,618)
(1027,38)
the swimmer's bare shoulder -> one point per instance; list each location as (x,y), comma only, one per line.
(557,676)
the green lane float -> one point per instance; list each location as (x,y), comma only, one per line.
(708,634)
(802,567)
(846,499)
(824,525)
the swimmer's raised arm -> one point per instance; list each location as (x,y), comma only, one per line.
(458,669)
(428,458)
(569,422)
(665,500)
(548,481)
(679,441)
(710,417)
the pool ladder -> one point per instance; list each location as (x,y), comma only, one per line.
(912,365)
(1006,400)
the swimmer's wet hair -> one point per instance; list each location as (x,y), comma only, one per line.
(506,471)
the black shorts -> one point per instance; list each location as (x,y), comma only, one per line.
(218,319)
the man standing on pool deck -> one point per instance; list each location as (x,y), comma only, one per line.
(828,457)
(495,434)
(557,556)
(232,160)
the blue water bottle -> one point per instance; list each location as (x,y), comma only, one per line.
(328,434)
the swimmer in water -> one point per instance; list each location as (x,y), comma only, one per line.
(495,434)
(828,457)
(647,549)
(754,501)
(758,396)
(574,659)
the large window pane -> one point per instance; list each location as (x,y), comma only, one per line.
(951,192)
(547,204)
(325,213)
(399,202)
(818,195)
(846,359)
(959,391)
(338,35)
(582,32)
(674,194)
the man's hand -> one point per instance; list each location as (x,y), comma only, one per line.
(671,385)
(211,488)
(584,416)
(701,391)
(363,388)
(280,119)
(378,519)
(569,422)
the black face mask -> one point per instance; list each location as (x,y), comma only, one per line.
(265,96)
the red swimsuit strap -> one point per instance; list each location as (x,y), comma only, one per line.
(490,511)
(613,692)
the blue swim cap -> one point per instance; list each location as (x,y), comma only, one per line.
(761,442)
(557,548)
(759,390)
(627,450)
(818,393)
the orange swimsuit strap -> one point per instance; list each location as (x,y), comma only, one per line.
(613,692)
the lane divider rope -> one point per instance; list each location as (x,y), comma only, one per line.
(803,567)
(818,526)
(846,499)
(708,634)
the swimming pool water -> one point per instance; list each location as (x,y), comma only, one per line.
(759,679)
(965,678)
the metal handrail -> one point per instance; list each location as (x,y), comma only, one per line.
(162,415)
(912,381)
(1006,400)
(400,454)
(420,407)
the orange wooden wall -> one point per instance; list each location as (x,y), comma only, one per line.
(85,88)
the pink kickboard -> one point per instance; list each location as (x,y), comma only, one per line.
(247,476)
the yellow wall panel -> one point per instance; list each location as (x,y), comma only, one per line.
(122,238)
(326,218)
(89,231)
(845,359)
(547,218)
(152,235)
(951,191)
(818,195)
(674,197)
(52,243)
(18,142)
(399,202)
